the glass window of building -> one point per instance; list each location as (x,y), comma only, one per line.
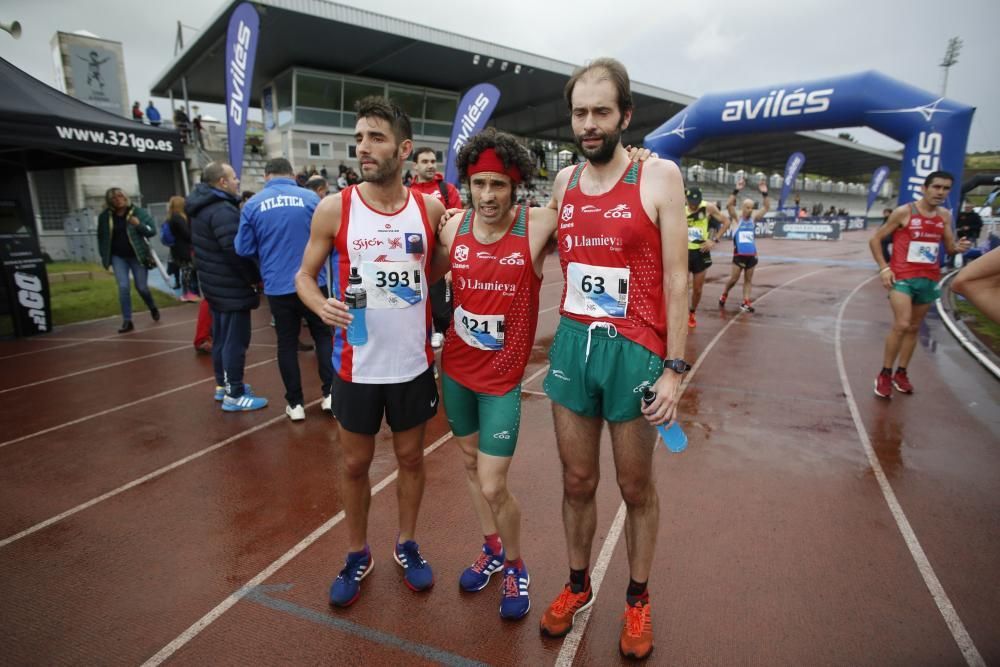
(317,99)
(410,101)
(355,90)
(320,149)
(441,108)
(283,98)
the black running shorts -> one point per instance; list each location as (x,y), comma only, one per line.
(359,407)
(698,261)
(745,261)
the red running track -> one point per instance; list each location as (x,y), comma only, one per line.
(140,524)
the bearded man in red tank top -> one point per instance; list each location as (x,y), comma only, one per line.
(623,250)
(911,275)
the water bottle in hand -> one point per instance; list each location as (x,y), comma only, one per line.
(356,299)
(674,437)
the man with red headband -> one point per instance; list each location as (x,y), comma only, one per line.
(495,251)
(622,245)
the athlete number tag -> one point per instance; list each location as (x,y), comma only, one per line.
(694,234)
(745,237)
(596,291)
(921,252)
(392,284)
(483,332)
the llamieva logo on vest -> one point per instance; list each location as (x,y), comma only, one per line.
(571,241)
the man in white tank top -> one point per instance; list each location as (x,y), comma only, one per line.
(380,229)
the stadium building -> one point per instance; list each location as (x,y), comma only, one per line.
(316,58)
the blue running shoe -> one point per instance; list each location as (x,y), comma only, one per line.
(220,392)
(514,603)
(477,576)
(346,587)
(417,572)
(244,403)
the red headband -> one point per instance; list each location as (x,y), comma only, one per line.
(490,161)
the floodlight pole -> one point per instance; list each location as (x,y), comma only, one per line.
(950,58)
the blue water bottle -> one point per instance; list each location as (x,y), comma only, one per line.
(356,299)
(674,437)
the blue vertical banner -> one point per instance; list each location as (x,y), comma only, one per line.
(878,180)
(792,169)
(474,110)
(241,50)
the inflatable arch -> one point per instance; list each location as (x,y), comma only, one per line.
(934,131)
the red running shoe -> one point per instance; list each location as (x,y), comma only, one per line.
(691,321)
(722,300)
(901,382)
(883,385)
(637,636)
(558,618)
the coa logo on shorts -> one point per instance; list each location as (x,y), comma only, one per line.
(462,253)
(567,212)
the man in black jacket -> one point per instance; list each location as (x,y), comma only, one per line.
(228,281)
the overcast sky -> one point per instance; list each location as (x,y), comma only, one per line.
(689,46)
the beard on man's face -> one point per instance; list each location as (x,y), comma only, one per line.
(606,150)
(385,170)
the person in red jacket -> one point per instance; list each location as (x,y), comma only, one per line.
(428,181)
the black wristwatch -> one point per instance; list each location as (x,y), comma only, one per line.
(678,366)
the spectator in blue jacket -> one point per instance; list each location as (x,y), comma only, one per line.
(153,115)
(274,229)
(228,282)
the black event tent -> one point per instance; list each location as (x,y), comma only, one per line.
(42,128)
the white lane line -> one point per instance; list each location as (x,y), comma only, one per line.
(95,368)
(123,406)
(186,346)
(963,340)
(951,619)
(266,573)
(571,644)
(145,478)
(84,341)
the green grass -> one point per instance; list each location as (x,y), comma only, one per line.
(66,267)
(987,330)
(983,161)
(90,299)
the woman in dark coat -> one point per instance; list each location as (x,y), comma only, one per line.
(182,251)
